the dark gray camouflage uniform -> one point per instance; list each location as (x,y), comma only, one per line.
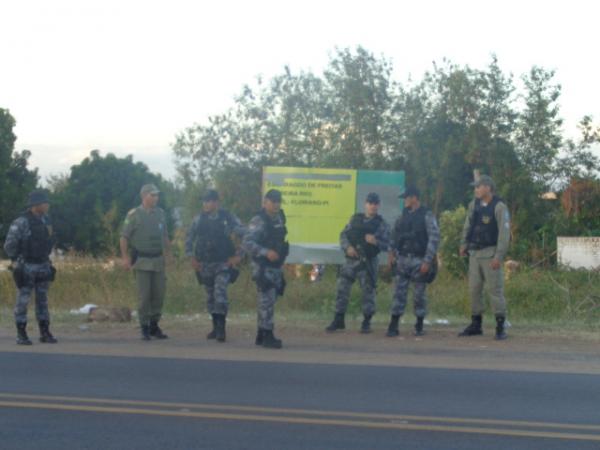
(354,269)
(33,272)
(407,269)
(266,298)
(216,275)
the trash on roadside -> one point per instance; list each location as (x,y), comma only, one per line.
(442,322)
(84,309)
(114,314)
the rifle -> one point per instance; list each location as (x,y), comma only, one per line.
(364,261)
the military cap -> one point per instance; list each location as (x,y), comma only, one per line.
(410,191)
(373,197)
(149,189)
(37,198)
(210,196)
(484,180)
(274,195)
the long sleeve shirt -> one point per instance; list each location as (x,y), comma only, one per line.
(382,235)
(433,235)
(233,227)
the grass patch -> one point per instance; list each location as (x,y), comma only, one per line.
(535,297)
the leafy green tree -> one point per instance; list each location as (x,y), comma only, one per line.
(88,211)
(240,190)
(361,131)
(440,129)
(539,136)
(16,179)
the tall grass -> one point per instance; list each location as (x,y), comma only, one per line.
(532,295)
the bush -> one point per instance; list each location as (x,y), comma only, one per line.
(451,225)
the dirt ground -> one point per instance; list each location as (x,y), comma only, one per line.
(307,342)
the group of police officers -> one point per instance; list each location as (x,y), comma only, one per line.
(217,241)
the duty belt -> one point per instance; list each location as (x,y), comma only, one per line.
(411,255)
(149,255)
(36,260)
(478,246)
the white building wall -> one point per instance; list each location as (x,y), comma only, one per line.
(579,252)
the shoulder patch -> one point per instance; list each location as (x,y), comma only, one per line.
(255,223)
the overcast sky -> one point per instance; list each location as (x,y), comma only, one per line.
(126,76)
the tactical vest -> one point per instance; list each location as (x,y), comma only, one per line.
(37,247)
(484,227)
(359,229)
(274,238)
(411,233)
(214,244)
(148,239)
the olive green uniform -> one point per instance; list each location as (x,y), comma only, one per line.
(480,272)
(146,232)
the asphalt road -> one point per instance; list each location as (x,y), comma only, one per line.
(56,401)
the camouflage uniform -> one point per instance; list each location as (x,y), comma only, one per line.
(215,276)
(357,269)
(270,275)
(408,267)
(36,274)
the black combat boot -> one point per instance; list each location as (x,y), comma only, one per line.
(269,340)
(338,323)
(22,338)
(45,335)
(155,330)
(393,326)
(365,326)
(220,328)
(500,332)
(259,336)
(145,332)
(213,333)
(474,329)
(419,327)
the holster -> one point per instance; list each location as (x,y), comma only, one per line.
(206,281)
(262,283)
(233,274)
(430,275)
(134,256)
(52,276)
(281,289)
(18,275)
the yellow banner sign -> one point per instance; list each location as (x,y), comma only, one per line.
(318,202)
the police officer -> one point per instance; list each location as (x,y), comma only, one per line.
(266,244)
(485,238)
(362,239)
(144,244)
(28,244)
(415,240)
(215,257)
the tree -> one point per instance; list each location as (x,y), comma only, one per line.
(539,136)
(361,131)
(88,211)
(343,119)
(439,130)
(16,180)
